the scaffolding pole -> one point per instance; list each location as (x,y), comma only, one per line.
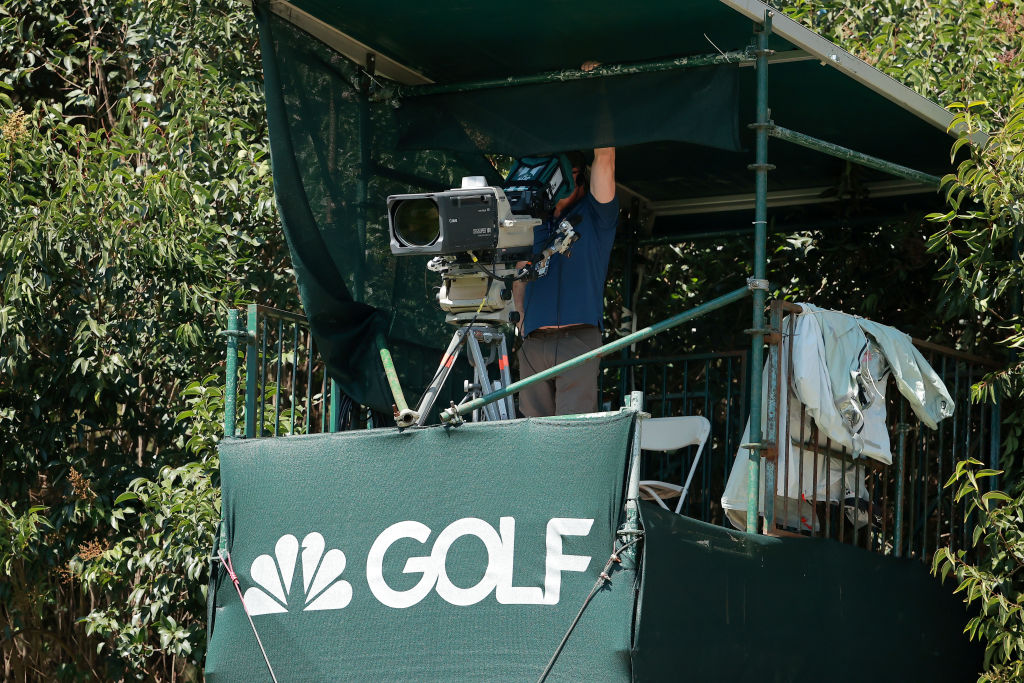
(759,282)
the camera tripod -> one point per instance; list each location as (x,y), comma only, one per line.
(466,286)
(472,336)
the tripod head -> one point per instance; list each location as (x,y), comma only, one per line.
(472,292)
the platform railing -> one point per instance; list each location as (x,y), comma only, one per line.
(713,385)
(904,509)
(284,388)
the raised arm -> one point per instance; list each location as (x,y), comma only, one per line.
(602,175)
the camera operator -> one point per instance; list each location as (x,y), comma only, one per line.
(562,312)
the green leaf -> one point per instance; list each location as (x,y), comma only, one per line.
(996,495)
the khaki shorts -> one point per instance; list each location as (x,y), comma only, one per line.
(575,390)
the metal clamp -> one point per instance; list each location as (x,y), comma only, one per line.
(760,167)
(451,417)
(754,283)
(239,334)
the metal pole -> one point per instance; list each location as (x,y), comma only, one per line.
(627,305)
(631,526)
(771,431)
(901,474)
(569,75)
(760,167)
(901,428)
(506,376)
(450,414)
(335,407)
(251,371)
(231,375)
(851,155)
(404,416)
(480,372)
(692,236)
(441,376)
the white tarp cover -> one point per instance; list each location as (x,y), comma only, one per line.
(841,367)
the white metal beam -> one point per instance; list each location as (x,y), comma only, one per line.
(346,45)
(801,196)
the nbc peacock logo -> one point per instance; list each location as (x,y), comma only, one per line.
(322,589)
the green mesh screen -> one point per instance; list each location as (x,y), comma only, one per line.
(336,158)
(515,530)
(331,193)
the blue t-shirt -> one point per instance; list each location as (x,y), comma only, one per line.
(572,292)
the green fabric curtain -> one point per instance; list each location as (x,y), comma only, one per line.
(334,164)
(698,106)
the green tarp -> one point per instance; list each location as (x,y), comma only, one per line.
(722,605)
(464,554)
(331,201)
(508,523)
(697,106)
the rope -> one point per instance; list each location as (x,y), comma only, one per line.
(234,579)
(601,580)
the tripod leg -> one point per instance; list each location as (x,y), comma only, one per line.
(506,376)
(495,385)
(481,375)
(502,405)
(443,370)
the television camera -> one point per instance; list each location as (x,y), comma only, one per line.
(478,234)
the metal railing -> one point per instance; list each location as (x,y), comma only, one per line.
(901,509)
(714,385)
(284,389)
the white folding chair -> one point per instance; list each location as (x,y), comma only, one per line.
(669,434)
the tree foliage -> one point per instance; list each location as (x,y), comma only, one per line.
(994,583)
(965,56)
(136,204)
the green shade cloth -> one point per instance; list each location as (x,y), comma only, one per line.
(350,487)
(331,193)
(721,605)
(697,106)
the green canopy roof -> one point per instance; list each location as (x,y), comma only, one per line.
(370,99)
(815,88)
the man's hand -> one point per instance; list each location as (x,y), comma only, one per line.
(602,175)
(518,295)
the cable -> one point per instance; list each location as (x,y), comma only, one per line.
(234,579)
(601,580)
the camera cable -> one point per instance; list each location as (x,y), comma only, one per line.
(603,578)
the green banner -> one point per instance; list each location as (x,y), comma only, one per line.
(452,554)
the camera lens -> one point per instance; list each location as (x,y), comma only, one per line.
(416,222)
